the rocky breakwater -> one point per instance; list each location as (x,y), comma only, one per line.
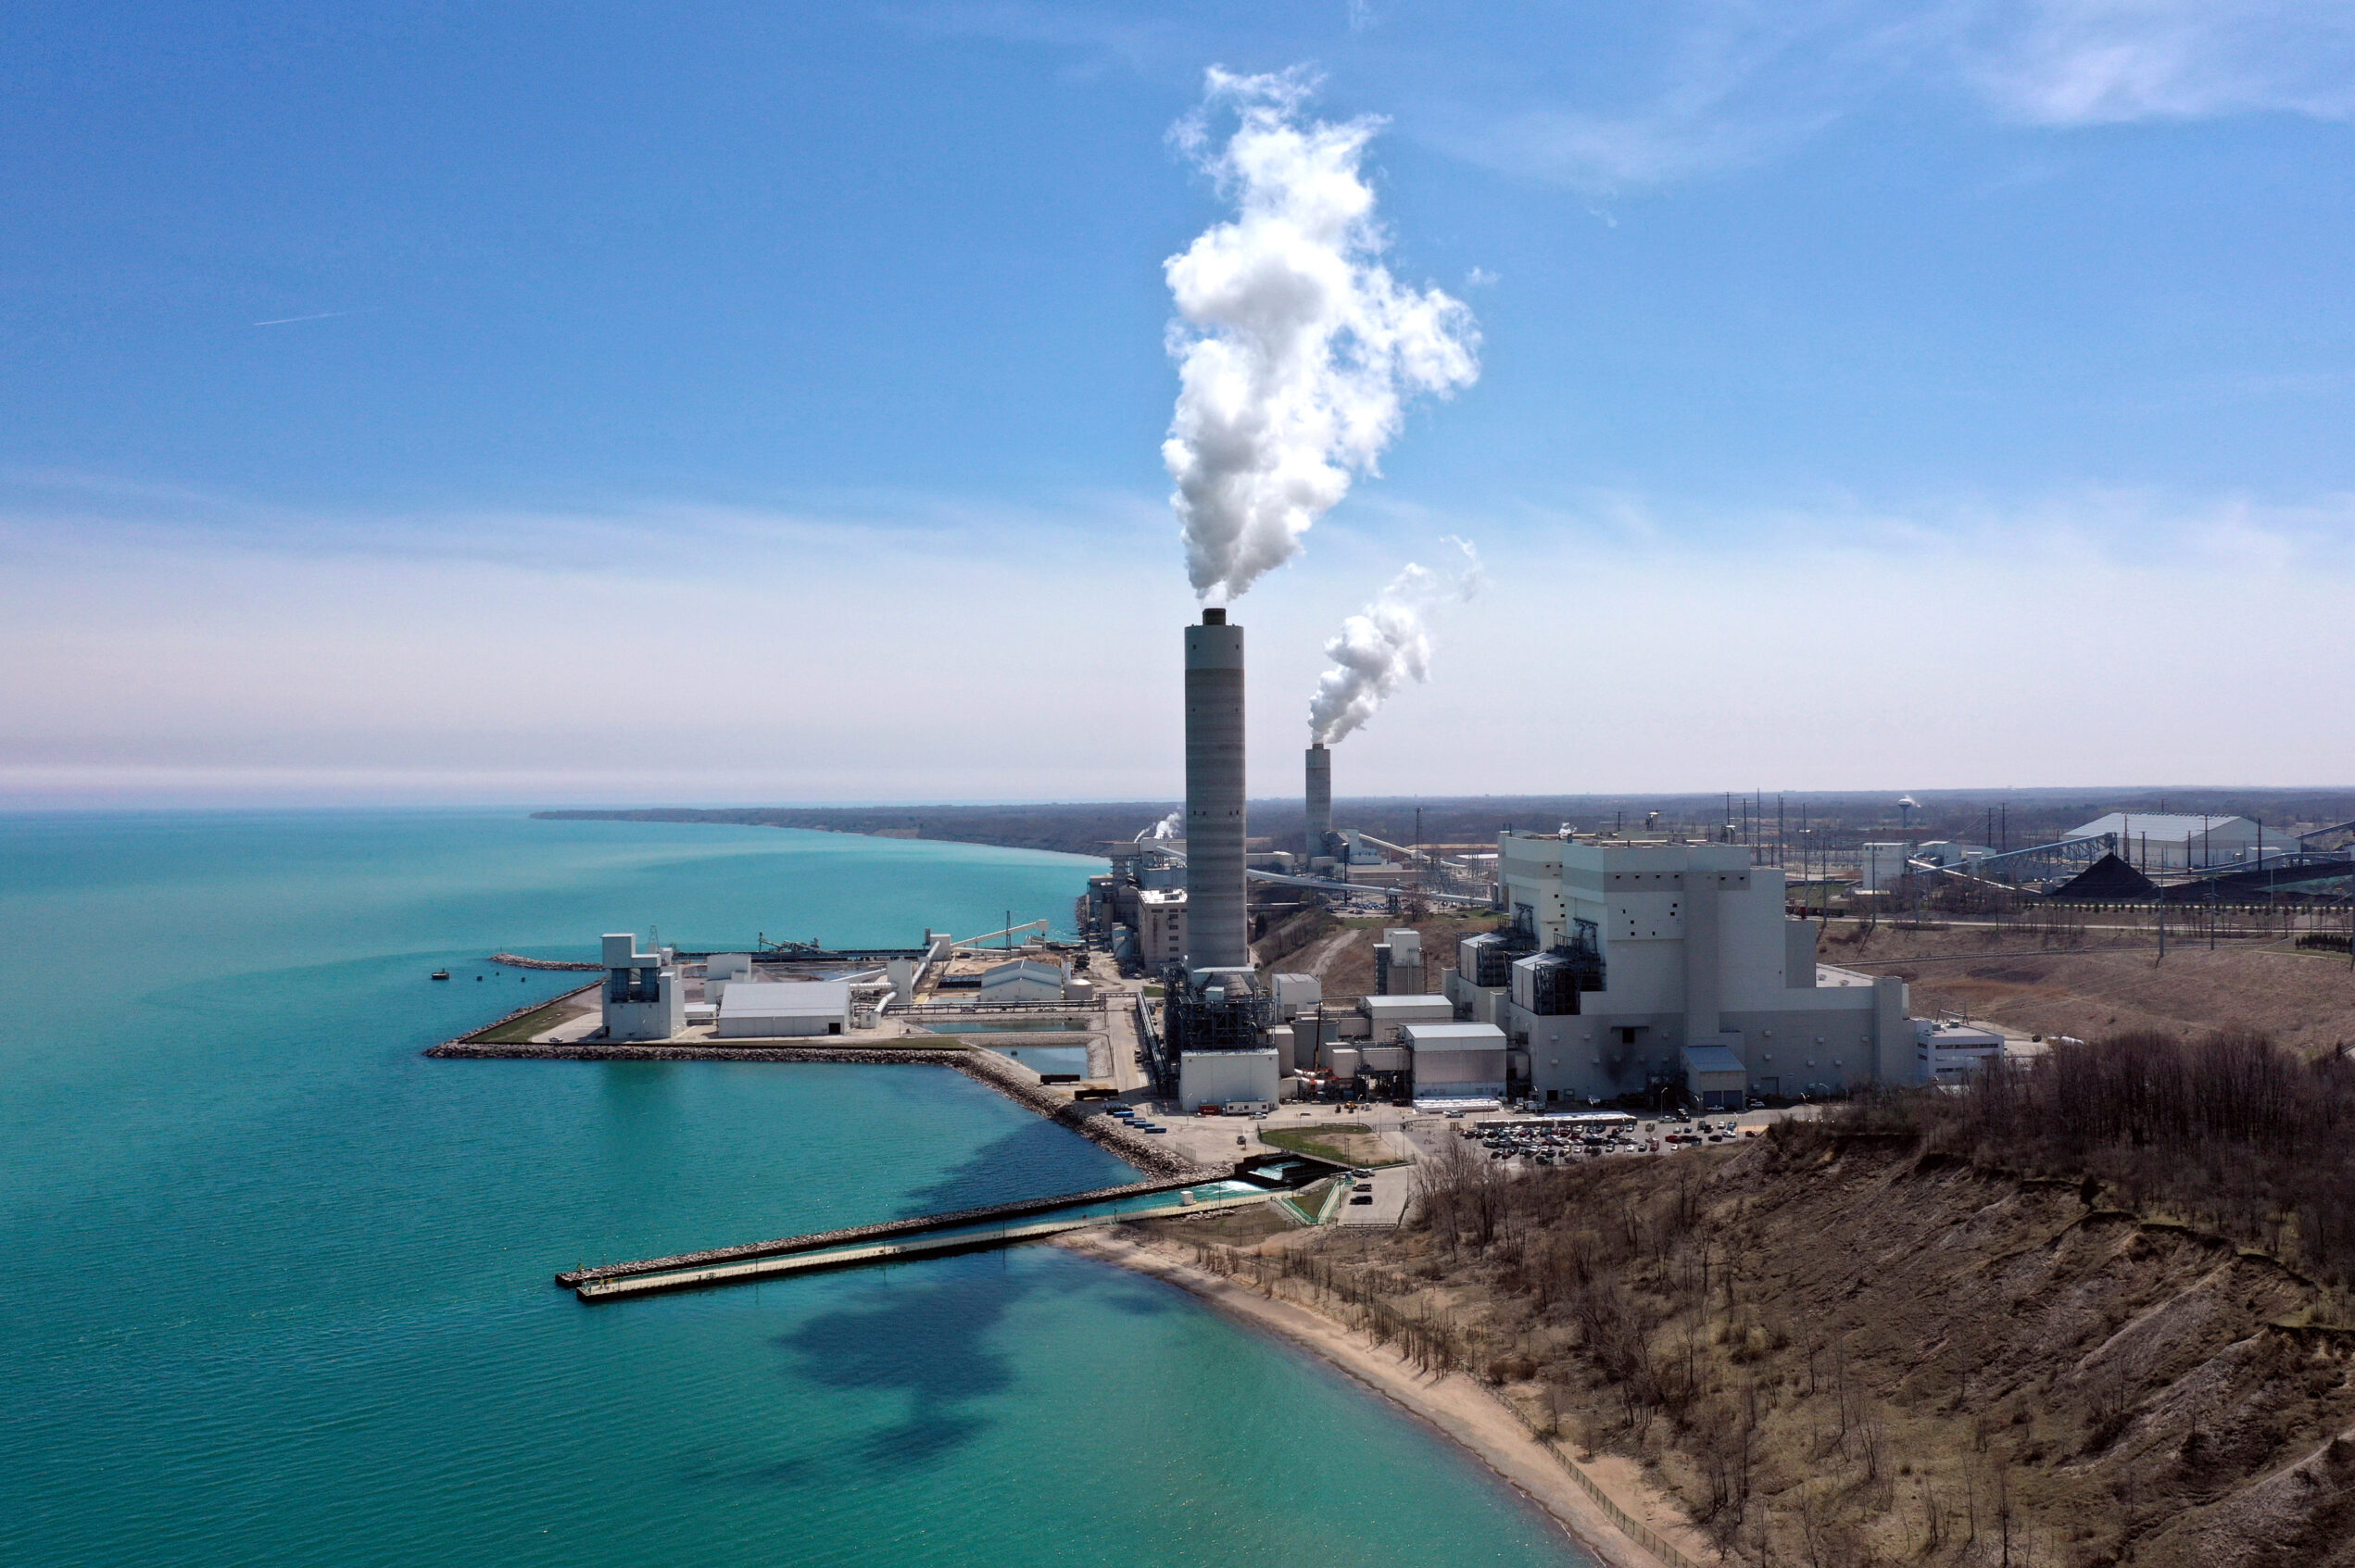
(1084,1117)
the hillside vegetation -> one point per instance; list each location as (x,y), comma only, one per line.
(2083,1316)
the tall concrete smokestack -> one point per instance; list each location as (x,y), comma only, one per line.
(1217,934)
(1320,798)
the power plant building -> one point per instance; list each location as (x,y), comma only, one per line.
(1633,967)
(643,998)
(1161,926)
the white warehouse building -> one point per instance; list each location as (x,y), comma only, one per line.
(1024,979)
(1633,966)
(2156,843)
(773,1010)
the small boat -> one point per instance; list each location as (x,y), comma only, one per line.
(441,974)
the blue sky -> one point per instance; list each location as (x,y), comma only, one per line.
(764,403)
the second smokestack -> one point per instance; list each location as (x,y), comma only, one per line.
(1321,799)
(1217,930)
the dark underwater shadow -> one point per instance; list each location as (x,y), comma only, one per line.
(926,1337)
(1041,1158)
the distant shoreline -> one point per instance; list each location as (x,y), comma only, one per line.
(1082,829)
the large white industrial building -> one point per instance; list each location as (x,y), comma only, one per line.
(1635,966)
(773,1009)
(1245,1077)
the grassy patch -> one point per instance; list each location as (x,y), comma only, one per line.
(1237,1227)
(539,1020)
(1310,1198)
(1343,1143)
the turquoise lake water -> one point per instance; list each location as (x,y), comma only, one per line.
(278,1286)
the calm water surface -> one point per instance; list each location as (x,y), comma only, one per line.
(278,1286)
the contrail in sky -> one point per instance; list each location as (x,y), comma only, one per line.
(290,321)
(1296,348)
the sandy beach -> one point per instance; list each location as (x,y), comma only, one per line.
(1455,1405)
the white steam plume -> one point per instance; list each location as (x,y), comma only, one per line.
(1388,642)
(1296,348)
(1165,828)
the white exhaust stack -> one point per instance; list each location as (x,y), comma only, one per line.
(1217,933)
(1321,799)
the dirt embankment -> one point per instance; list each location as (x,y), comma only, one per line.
(1839,1351)
(2305,1001)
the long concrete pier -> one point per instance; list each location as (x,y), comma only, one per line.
(883,1252)
(814,1240)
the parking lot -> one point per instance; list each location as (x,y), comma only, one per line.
(1528,1141)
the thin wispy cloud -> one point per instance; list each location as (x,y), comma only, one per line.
(290,321)
(2106,62)
(57,515)
(1705,88)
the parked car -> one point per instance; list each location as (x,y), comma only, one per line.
(1362,1197)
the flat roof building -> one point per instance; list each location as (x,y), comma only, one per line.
(1389,1014)
(1249,1077)
(775,1010)
(1161,926)
(1455,1061)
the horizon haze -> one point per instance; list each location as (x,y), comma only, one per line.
(426,406)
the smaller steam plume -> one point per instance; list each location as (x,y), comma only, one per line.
(1297,350)
(1387,643)
(1165,828)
